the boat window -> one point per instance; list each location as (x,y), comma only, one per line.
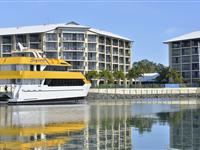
(38,67)
(64,82)
(31,67)
(14,67)
(56,68)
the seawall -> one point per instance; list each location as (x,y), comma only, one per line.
(141,93)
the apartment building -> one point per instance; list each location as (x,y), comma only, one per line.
(184,56)
(83,47)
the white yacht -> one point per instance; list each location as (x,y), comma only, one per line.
(28,76)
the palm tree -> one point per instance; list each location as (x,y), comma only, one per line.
(134,73)
(169,75)
(106,76)
(92,75)
(118,75)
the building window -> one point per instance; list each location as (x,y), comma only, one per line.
(7,39)
(175,52)
(195,66)
(175,59)
(51,37)
(6,48)
(73,46)
(92,38)
(195,58)
(186,51)
(101,39)
(91,46)
(195,42)
(186,67)
(91,66)
(185,43)
(51,46)
(176,45)
(195,74)
(35,38)
(73,55)
(186,74)
(73,37)
(21,39)
(195,50)
(92,56)
(186,59)
(176,67)
(115,42)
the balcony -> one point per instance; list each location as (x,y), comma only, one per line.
(51,46)
(73,46)
(51,37)
(121,44)
(74,58)
(92,38)
(121,61)
(127,45)
(108,41)
(101,59)
(35,38)
(6,39)
(176,45)
(101,40)
(115,60)
(108,59)
(115,42)
(101,49)
(76,37)
(101,66)
(92,58)
(185,44)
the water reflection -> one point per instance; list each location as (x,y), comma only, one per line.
(100,126)
(39,127)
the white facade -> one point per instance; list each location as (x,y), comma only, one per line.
(84,47)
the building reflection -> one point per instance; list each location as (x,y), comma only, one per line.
(109,127)
(74,127)
(185,129)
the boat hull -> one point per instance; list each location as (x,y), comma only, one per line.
(36,93)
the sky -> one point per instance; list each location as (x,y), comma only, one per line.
(147,23)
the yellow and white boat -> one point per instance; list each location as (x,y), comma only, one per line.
(27,76)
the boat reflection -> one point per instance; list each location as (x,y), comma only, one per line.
(74,127)
(40,127)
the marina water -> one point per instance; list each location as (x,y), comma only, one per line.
(100,126)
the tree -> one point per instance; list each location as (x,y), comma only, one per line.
(92,75)
(147,66)
(118,75)
(168,75)
(134,73)
(106,75)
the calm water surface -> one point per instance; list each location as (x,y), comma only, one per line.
(100,126)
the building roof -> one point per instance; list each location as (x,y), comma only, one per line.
(147,77)
(48,27)
(38,28)
(108,34)
(191,35)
